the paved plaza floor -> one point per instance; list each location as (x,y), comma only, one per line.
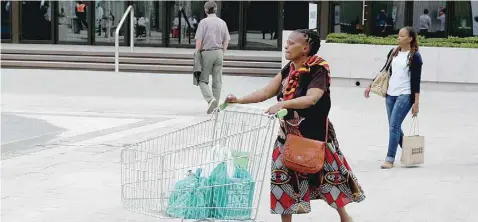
(62,132)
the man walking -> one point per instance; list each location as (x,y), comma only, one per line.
(425,22)
(212,39)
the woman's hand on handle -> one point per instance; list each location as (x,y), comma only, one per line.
(232,99)
(275,108)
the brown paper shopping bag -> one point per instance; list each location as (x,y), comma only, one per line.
(413,146)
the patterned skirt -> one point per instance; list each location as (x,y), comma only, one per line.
(292,192)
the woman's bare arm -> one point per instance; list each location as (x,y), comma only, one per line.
(313,95)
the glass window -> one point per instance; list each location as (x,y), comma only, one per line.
(35,20)
(6,20)
(185,16)
(474,10)
(112,13)
(148,22)
(72,21)
(229,12)
(296,15)
(261,26)
(347,17)
(461,24)
(429,18)
(388,17)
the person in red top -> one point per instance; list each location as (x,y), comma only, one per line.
(303,88)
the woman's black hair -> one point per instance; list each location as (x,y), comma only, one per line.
(313,39)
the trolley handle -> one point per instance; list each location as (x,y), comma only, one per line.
(281,114)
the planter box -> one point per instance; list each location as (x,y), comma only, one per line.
(358,61)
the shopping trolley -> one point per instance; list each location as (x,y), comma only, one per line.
(210,170)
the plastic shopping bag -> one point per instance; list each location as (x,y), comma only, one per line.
(231,196)
(190,198)
(233,158)
(240,158)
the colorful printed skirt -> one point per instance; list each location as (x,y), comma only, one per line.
(292,192)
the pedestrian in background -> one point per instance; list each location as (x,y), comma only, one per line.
(425,23)
(403,92)
(212,39)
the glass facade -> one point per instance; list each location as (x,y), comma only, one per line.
(6,28)
(429,18)
(107,17)
(461,23)
(229,11)
(184,18)
(261,24)
(72,21)
(149,24)
(347,17)
(36,21)
(252,24)
(432,19)
(388,17)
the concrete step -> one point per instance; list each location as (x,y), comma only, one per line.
(256,56)
(131,60)
(142,59)
(131,67)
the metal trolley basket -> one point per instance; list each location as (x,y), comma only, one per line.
(236,136)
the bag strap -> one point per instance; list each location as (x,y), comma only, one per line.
(326,130)
(415,127)
(389,60)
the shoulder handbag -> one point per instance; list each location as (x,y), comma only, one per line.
(304,155)
(380,83)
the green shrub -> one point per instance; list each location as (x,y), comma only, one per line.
(455,42)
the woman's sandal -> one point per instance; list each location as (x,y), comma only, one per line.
(387,165)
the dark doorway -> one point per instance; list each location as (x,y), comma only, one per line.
(36,20)
(229,11)
(261,24)
(296,15)
(6,20)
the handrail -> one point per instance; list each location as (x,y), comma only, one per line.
(130,10)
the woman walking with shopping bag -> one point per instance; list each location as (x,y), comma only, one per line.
(402,87)
(303,167)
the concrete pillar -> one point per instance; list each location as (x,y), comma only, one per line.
(15,21)
(369,21)
(324,19)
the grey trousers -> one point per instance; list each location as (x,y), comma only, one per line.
(212,62)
